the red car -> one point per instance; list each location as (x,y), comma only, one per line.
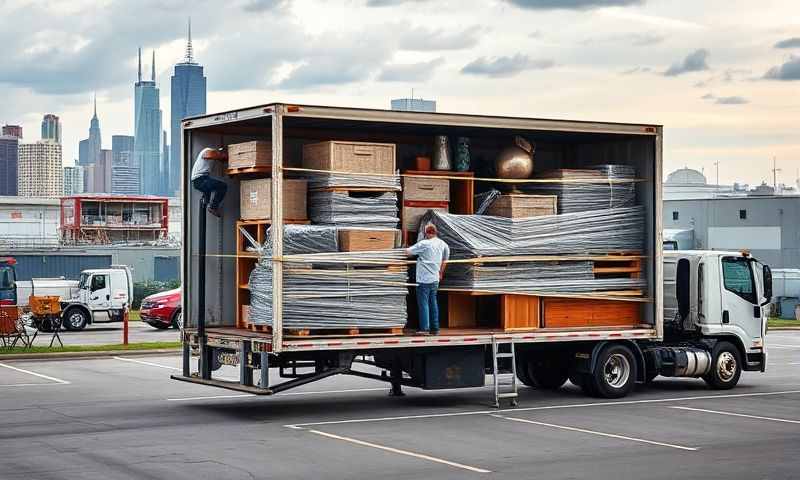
(162,310)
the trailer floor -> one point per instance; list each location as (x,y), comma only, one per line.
(122,418)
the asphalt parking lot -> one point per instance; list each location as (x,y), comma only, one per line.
(122,418)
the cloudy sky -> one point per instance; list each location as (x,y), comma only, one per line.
(722,76)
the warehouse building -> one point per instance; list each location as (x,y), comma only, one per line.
(767,225)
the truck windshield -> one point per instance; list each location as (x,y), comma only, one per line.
(738,277)
(6,277)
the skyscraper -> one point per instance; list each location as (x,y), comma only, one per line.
(89,149)
(51,128)
(40,172)
(165,165)
(413,105)
(12,131)
(9,160)
(147,131)
(73,180)
(125,175)
(187,98)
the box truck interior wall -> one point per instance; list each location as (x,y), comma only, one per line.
(554,150)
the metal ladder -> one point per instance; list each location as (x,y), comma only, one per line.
(497,353)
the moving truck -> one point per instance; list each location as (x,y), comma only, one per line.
(604,343)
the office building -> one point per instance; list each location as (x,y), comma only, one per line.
(40,172)
(187,98)
(89,149)
(413,105)
(12,131)
(147,144)
(73,180)
(51,128)
(125,175)
(9,160)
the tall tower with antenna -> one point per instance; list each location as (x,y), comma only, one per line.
(187,99)
(147,118)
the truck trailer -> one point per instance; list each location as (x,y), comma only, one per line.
(605,341)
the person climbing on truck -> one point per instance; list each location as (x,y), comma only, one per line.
(432,255)
(204,182)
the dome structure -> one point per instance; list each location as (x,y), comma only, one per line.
(686,176)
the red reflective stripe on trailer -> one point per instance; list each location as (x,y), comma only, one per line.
(614,334)
(529,336)
(593,334)
(334,344)
(363,343)
(573,334)
(304,345)
(470,339)
(549,337)
(443,340)
(391,342)
(418,340)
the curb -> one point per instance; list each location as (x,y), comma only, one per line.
(80,355)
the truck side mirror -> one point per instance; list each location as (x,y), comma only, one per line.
(767,284)
(682,287)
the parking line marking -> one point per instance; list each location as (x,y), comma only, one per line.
(401,452)
(142,362)
(545,407)
(31,384)
(349,390)
(211,397)
(315,392)
(46,377)
(732,414)
(594,432)
(782,345)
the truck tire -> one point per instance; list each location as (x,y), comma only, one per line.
(522,372)
(75,319)
(548,372)
(726,367)
(614,374)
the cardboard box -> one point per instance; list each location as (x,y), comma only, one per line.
(256,199)
(352,157)
(413,212)
(250,154)
(365,240)
(520,206)
(426,189)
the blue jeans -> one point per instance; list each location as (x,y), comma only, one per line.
(428,306)
(209,185)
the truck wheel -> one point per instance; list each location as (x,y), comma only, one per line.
(75,319)
(522,372)
(614,374)
(726,367)
(548,372)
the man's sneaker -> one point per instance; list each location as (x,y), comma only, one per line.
(422,332)
(434,332)
(215,212)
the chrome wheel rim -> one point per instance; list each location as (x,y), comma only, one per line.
(179,320)
(617,370)
(726,366)
(75,320)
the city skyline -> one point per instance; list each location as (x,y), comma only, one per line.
(720,79)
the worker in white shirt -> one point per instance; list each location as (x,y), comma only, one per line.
(204,182)
(432,255)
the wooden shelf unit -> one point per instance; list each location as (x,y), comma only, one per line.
(246,260)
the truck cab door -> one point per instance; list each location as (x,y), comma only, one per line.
(741,313)
(99,292)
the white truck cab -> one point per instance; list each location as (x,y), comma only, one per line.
(712,297)
(102,296)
